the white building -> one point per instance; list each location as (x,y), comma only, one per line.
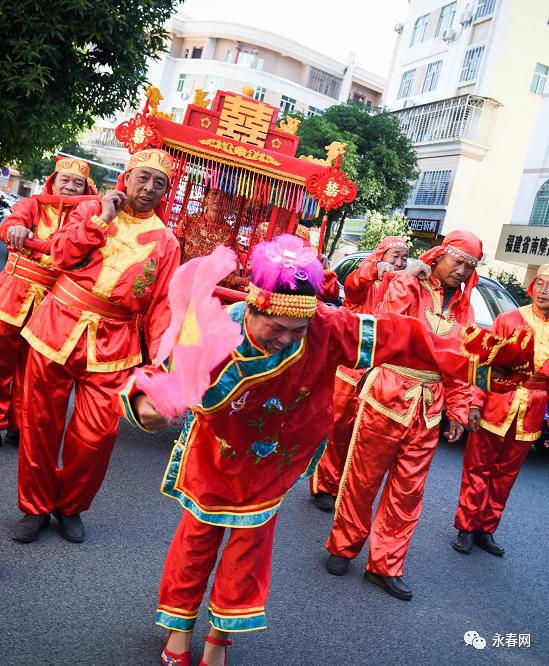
(217,55)
(466,84)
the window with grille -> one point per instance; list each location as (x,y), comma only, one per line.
(540,79)
(418,33)
(406,84)
(446,18)
(184,83)
(485,8)
(313,111)
(287,105)
(433,186)
(259,94)
(178,115)
(432,76)
(324,83)
(471,65)
(540,211)
(245,59)
(213,84)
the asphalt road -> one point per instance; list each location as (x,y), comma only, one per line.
(93,604)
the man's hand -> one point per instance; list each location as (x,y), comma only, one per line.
(325,261)
(418,269)
(473,422)
(454,432)
(16,236)
(112,203)
(383,267)
(148,416)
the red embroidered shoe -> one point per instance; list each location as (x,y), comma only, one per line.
(172,659)
(209,639)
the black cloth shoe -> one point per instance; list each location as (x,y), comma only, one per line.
(29,527)
(464,542)
(487,543)
(324,501)
(337,565)
(70,527)
(11,438)
(393,585)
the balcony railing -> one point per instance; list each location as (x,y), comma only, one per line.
(103,137)
(465,117)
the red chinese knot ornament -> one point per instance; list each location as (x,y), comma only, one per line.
(331,188)
(138,133)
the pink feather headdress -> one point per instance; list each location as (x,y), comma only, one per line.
(284,262)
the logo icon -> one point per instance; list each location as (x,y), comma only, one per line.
(473,638)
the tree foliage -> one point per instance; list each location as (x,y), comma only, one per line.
(379,158)
(513,285)
(380,225)
(65,62)
(39,168)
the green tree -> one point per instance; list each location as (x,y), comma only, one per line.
(513,285)
(379,159)
(380,225)
(65,62)
(39,168)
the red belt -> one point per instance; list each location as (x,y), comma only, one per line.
(69,293)
(30,270)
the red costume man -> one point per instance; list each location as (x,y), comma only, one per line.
(396,427)
(260,428)
(28,276)
(508,426)
(116,258)
(361,289)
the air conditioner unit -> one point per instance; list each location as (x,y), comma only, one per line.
(466,17)
(399,27)
(449,35)
(408,103)
(185,95)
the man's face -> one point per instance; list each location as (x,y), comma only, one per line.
(68,185)
(450,272)
(540,290)
(145,188)
(397,257)
(275,332)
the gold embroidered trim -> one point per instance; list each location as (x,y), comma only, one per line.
(193,150)
(349,459)
(240,151)
(346,378)
(426,376)
(34,297)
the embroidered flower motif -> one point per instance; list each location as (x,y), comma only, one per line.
(275,402)
(223,444)
(263,449)
(239,404)
(263,300)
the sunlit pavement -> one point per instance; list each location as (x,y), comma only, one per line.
(93,604)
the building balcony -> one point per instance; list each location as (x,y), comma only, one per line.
(465,118)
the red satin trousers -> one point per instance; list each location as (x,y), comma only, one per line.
(330,468)
(242,578)
(383,445)
(490,467)
(89,435)
(14,350)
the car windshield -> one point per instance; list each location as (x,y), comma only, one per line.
(497,300)
(346,267)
